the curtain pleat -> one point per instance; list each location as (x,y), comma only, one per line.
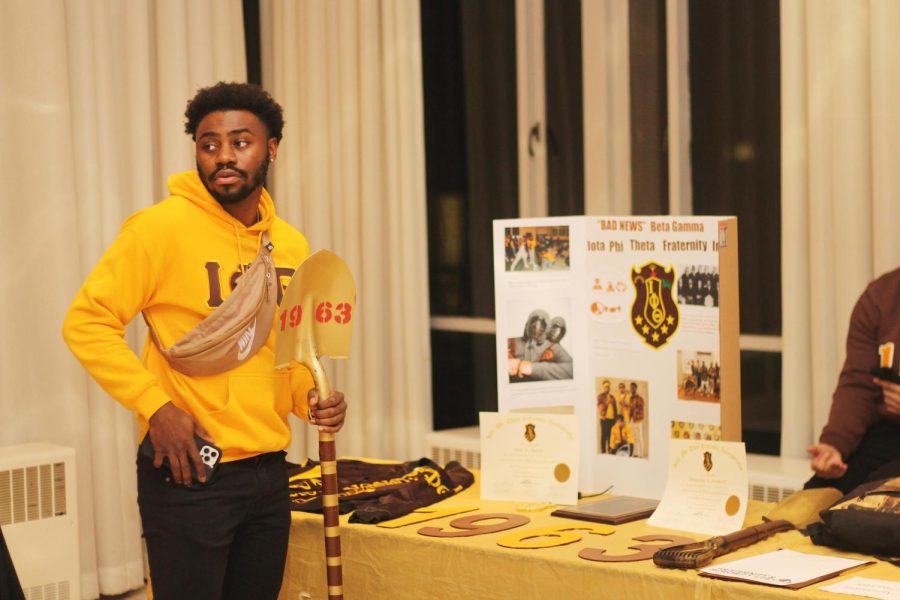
(840,99)
(94,93)
(350,176)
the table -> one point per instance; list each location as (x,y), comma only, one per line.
(400,564)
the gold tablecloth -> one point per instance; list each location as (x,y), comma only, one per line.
(399,564)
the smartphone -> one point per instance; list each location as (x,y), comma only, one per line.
(209,454)
(886,374)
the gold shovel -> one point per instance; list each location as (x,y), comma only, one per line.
(315,320)
(794,512)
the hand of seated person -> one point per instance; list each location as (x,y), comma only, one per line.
(891,395)
(827,461)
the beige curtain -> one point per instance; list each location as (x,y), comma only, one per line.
(93,93)
(840,188)
(607,112)
(351,176)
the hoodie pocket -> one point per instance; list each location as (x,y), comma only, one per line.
(255,417)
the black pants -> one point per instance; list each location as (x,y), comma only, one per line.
(606,426)
(226,539)
(879,446)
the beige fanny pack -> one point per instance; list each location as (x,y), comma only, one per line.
(233,332)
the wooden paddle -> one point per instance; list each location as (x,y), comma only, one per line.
(315,320)
(794,512)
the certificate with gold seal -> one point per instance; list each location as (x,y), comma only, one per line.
(706,488)
(529,457)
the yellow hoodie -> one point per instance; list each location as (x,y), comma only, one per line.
(177,261)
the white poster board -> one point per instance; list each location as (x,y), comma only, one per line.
(648,311)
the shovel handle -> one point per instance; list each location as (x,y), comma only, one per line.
(751,535)
(330,512)
(699,554)
(328,461)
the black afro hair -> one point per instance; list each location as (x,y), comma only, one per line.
(234,96)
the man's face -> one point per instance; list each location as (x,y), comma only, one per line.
(233,152)
(536,328)
(554,333)
(606,387)
(633,388)
(621,388)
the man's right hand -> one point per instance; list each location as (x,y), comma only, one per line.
(827,461)
(172,433)
(891,395)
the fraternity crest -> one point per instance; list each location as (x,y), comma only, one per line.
(654,314)
(529,432)
(707,461)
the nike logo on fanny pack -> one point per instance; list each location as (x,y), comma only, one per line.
(245,343)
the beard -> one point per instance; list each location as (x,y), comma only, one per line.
(252,182)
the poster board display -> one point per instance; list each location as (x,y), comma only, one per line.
(633,322)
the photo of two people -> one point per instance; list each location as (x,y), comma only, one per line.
(537,354)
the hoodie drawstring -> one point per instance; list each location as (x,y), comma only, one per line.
(237,239)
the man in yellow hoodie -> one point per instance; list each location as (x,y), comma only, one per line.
(176,262)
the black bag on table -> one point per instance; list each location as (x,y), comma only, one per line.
(867,520)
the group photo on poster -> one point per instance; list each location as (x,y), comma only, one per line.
(536,248)
(622,411)
(699,376)
(698,285)
(538,354)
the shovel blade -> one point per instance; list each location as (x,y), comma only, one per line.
(317,311)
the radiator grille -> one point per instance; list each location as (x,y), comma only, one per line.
(32,493)
(46,490)
(39,518)
(770,493)
(5,498)
(59,488)
(51,591)
(18,495)
(470,459)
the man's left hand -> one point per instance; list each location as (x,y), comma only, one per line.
(891,395)
(328,414)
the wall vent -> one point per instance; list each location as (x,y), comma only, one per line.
(39,519)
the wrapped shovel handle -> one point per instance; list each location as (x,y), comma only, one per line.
(330,494)
(700,554)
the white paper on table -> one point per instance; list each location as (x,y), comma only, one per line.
(783,568)
(706,489)
(529,457)
(864,586)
